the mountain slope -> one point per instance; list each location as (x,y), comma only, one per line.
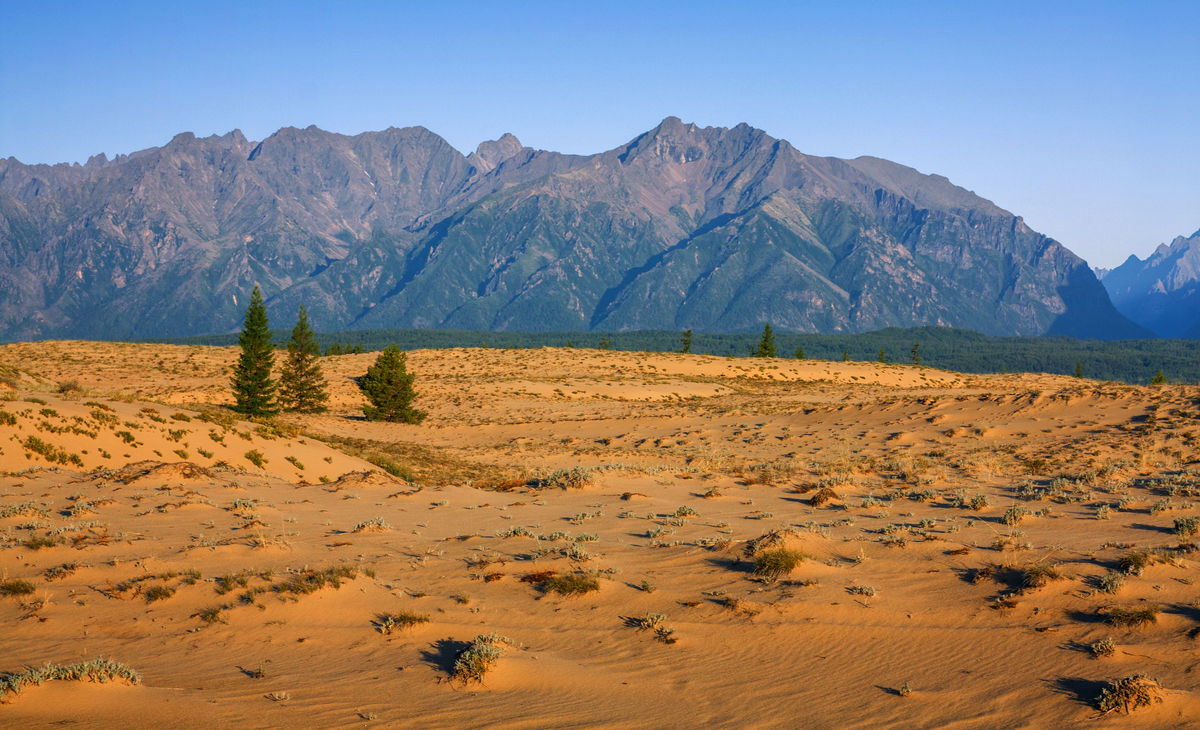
(1161,293)
(683,227)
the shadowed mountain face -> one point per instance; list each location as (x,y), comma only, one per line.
(1161,293)
(711,229)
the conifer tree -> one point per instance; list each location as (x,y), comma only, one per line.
(916,353)
(253,388)
(766,346)
(302,386)
(387,385)
(686,342)
(882,355)
(1079,368)
(799,353)
(1158,378)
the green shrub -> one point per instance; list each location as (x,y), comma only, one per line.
(389,622)
(1133,617)
(255,457)
(1187,526)
(774,564)
(473,662)
(570,585)
(95,670)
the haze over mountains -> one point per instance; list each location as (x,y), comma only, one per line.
(712,229)
(1161,293)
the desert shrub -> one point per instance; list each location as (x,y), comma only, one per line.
(1103,648)
(473,662)
(575,478)
(50,452)
(868,591)
(312,580)
(1133,617)
(1036,575)
(7,419)
(570,585)
(1111,581)
(95,670)
(1014,515)
(227,583)
(1129,693)
(655,622)
(255,457)
(211,615)
(823,496)
(37,542)
(1134,563)
(776,563)
(389,622)
(391,466)
(1187,526)
(16,587)
(375,524)
(159,593)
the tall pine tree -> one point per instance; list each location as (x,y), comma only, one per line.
(302,386)
(766,346)
(253,388)
(388,386)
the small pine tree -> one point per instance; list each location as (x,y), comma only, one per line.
(845,356)
(686,341)
(766,345)
(1158,378)
(916,353)
(1079,368)
(799,353)
(387,385)
(882,355)
(302,387)
(253,388)
(605,343)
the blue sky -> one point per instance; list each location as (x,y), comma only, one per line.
(1080,116)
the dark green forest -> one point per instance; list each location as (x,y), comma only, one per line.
(1129,361)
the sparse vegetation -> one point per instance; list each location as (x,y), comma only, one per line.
(1129,693)
(95,670)
(474,661)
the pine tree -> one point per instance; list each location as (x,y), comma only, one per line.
(1079,368)
(799,353)
(388,386)
(253,388)
(882,355)
(845,356)
(916,353)
(686,341)
(1158,378)
(766,346)
(302,387)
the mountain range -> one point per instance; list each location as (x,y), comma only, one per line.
(1161,293)
(711,229)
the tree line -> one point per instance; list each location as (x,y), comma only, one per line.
(1130,361)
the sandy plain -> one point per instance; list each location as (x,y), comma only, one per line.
(966,541)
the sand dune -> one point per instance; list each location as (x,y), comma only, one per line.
(960,543)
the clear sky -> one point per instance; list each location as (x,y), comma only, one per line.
(1083,117)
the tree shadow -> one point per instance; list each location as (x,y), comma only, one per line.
(1152,528)
(443,653)
(1083,691)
